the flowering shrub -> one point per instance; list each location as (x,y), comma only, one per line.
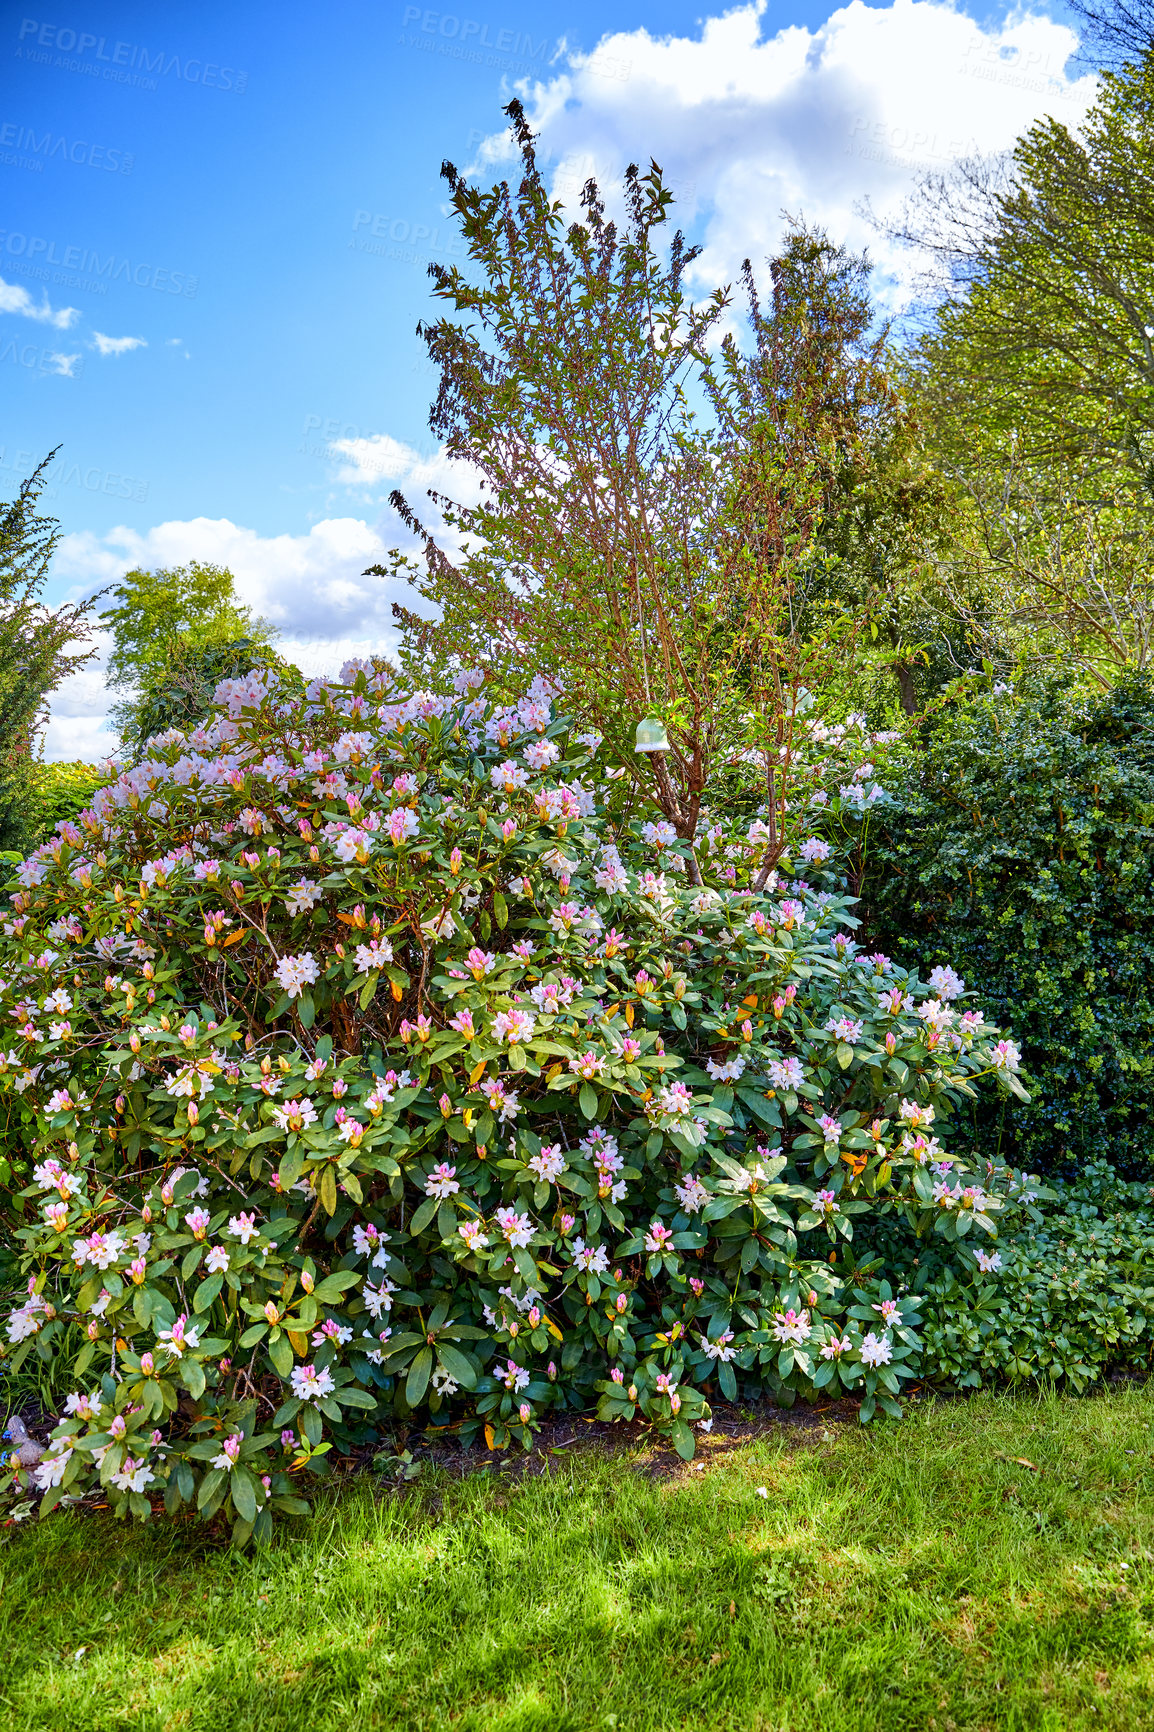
(366,1059)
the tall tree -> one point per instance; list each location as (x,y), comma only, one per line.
(38,644)
(176,631)
(1036,376)
(1046,343)
(644,519)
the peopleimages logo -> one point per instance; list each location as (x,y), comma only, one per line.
(37,255)
(474,32)
(53,146)
(125,63)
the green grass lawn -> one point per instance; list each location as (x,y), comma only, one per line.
(908,1577)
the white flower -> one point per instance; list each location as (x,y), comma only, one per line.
(442,1383)
(989,1262)
(730,1071)
(440,1182)
(133,1476)
(49,1471)
(691,1194)
(374,954)
(244,1227)
(1004,1055)
(295,1115)
(518,1229)
(549,1164)
(217,1260)
(594,1259)
(378,1299)
(875,1351)
(84,1406)
(791,1326)
(309,1384)
(297,972)
(786,1073)
(946,983)
(302,897)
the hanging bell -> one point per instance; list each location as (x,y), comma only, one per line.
(651,735)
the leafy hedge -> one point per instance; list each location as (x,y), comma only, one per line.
(1074,1296)
(371,1059)
(1018,848)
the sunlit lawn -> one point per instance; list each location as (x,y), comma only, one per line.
(909,1577)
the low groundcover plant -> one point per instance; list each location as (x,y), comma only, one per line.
(371,1060)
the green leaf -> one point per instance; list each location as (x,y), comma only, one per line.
(500,910)
(243,1490)
(292,1165)
(351,1396)
(456,1365)
(209,1486)
(328,1291)
(587,1100)
(423,1215)
(207,1291)
(418,1379)
(328,1189)
(281,1355)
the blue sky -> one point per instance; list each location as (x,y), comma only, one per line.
(216,223)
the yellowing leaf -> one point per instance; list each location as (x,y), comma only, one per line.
(300,1343)
(477,1073)
(553,1329)
(608,1015)
(235,938)
(629,1014)
(489,1436)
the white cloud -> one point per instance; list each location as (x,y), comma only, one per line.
(382,462)
(64,364)
(117,345)
(747,125)
(311,586)
(15,299)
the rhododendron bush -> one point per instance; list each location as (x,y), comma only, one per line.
(371,1061)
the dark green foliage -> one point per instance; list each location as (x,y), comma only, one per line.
(176,691)
(1019,851)
(1073,1300)
(38,646)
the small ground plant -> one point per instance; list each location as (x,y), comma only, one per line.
(372,1058)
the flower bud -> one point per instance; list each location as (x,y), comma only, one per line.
(622,1302)
(307,1281)
(193,1113)
(632,1392)
(526,1413)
